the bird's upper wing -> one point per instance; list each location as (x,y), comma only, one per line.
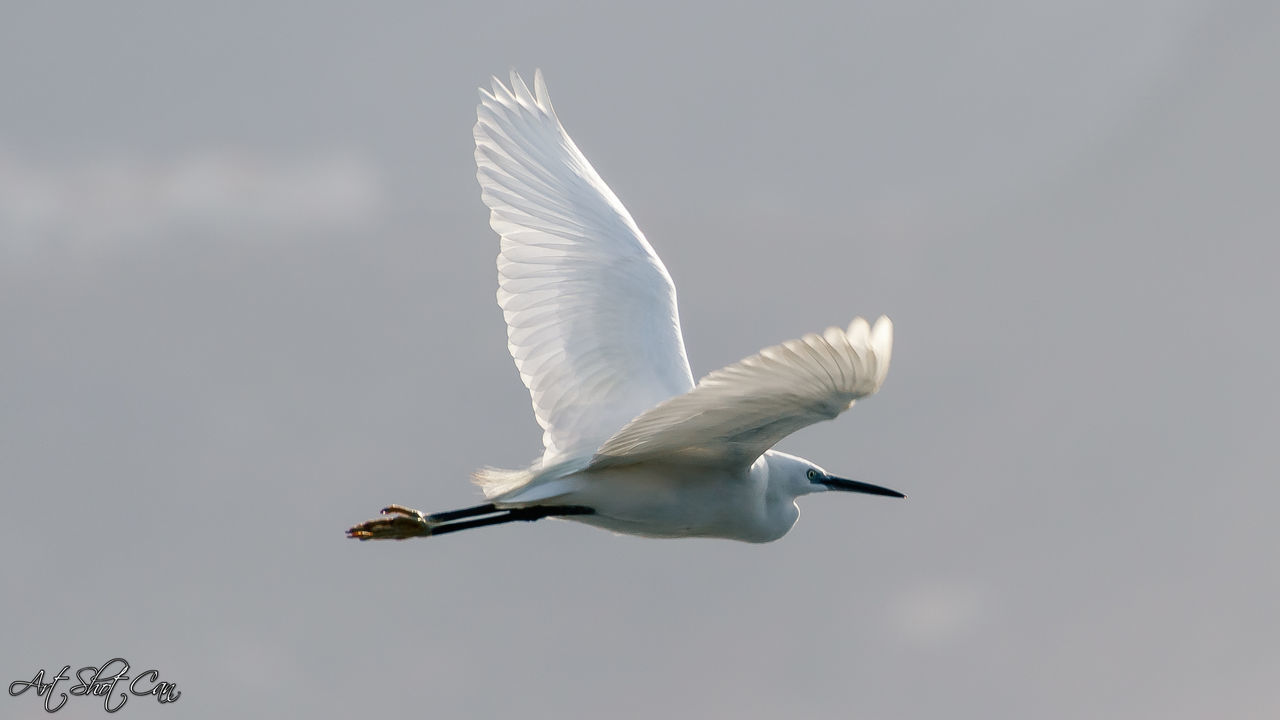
(590,309)
(738,412)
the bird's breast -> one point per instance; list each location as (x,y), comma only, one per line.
(676,501)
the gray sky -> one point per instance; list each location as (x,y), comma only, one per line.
(247,298)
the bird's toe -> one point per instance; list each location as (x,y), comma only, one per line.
(399,526)
(401,510)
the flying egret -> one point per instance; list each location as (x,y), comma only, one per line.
(630,443)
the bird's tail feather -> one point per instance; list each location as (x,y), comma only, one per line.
(497,481)
(518,485)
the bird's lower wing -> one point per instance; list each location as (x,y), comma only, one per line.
(737,412)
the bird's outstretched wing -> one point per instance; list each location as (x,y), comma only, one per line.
(590,309)
(738,412)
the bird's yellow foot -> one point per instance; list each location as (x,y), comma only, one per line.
(399,523)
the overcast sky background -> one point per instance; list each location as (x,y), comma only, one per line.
(247,299)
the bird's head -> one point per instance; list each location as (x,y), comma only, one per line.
(797,476)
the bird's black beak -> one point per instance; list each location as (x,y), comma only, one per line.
(836,483)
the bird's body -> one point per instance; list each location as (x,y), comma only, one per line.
(630,443)
(662,500)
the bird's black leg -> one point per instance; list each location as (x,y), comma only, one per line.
(466,512)
(526,514)
(446,516)
(403,523)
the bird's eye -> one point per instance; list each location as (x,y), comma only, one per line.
(813,474)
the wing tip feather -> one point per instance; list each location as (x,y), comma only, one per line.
(882,344)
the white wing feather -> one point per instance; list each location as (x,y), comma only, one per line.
(738,412)
(590,309)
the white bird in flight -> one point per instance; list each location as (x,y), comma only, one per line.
(630,443)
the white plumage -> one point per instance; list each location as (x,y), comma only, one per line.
(590,309)
(630,444)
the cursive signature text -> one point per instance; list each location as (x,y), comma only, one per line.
(101,681)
